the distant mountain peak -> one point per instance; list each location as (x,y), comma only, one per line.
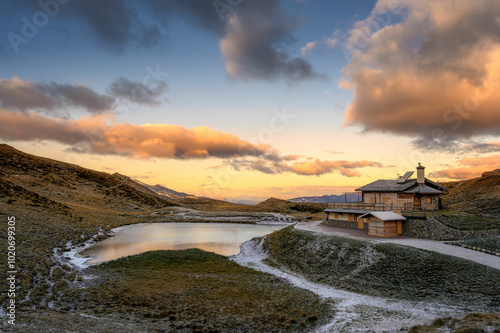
(166,192)
(348,197)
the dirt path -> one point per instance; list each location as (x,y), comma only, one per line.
(425,244)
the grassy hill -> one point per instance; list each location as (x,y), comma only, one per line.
(74,186)
(476,196)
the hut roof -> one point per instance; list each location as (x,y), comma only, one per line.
(409,186)
(385,216)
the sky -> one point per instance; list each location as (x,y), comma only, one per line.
(243,100)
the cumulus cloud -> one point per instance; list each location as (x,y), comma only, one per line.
(252,45)
(308,48)
(470,168)
(101,135)
(252,35)
(433,74)
(114,25)
(329,42)
(309,167)
(137,92)
(20,95)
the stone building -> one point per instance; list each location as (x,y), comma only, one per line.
(403,196)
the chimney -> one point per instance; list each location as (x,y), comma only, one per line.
(420,174)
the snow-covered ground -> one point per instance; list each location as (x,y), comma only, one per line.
(352,312)
(74,258)
(276,218)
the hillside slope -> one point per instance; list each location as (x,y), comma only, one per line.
(75,186)
(476,196)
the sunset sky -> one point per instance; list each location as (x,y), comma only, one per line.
(247,99)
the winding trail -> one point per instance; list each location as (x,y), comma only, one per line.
(351,312)
(425,244)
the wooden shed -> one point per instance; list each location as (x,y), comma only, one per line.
(383,224)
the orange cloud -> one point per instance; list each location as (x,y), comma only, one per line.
(309,167)
(433,76)
(333,152)
(101,135)
(493,160)
(319,167)
(473,167)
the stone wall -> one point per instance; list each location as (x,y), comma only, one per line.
(344,224)
(433,229)
(433,205)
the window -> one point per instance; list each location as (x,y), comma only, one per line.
(429,200)
(335,216)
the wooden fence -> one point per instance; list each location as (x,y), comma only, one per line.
(407,209)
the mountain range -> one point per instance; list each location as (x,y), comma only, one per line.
(347,197)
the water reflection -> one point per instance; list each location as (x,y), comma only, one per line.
(221,238)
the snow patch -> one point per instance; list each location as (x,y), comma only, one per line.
(276,218)
(74,258)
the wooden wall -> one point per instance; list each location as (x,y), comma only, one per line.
(380,228)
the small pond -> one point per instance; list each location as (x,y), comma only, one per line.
(221,238)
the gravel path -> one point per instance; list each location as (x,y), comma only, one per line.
(352,312)
(425,244)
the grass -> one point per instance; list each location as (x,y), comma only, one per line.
(465,221)
(197,290)
(385,270)
(492,243)
(471,323)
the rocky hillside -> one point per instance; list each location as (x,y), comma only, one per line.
(476,196)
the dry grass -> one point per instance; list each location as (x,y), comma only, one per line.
(471,323)
(477,196)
